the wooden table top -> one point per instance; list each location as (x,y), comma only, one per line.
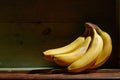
(61,74)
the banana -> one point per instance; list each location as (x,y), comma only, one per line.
(67,59)
(48,54)
(88,59)
(107,47)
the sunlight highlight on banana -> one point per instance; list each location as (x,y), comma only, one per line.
(89,51)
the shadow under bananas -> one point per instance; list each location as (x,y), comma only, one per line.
(59,71)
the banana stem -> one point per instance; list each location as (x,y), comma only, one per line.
(89,29)
(94,26)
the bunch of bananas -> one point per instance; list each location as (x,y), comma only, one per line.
(89,51)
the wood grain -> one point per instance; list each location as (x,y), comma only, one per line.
(109,74)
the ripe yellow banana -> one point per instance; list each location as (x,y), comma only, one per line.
(48,54)
(107,47)
(85,61)
(67,59)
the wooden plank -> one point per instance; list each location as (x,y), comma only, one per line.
(118,19)
(57,11)
(111,74)
(25,42)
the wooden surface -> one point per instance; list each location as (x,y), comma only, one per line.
(58,74)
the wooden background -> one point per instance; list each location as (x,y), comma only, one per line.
(28,27)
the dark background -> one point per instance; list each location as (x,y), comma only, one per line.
(28,27)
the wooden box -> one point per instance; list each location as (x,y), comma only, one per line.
(29,27)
